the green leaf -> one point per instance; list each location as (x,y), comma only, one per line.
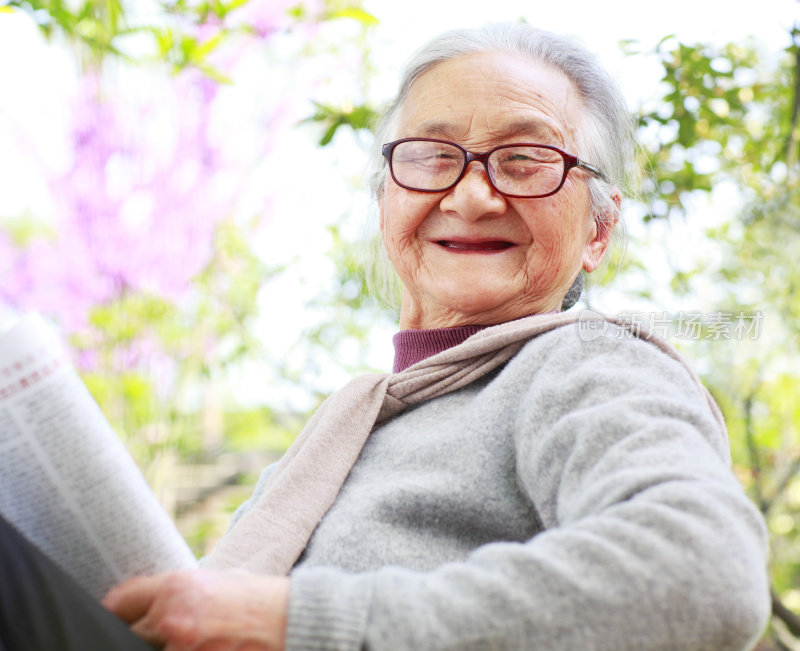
(356,13)
(329,133)
(214,73)
(207,47)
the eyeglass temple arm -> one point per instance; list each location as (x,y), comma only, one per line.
(592,170)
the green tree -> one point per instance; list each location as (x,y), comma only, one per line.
(728,117)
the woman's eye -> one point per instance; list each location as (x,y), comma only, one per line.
(519,164)
(438,159)
(425,158)
(515,158)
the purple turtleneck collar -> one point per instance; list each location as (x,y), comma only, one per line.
(412,346)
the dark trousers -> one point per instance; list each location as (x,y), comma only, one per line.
(44,609)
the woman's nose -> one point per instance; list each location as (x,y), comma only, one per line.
(474,196)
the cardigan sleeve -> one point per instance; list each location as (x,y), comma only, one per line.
(649,541)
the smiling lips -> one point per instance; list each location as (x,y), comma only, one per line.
(475,246)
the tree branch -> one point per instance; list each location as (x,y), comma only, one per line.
(788,617)
(794,134)
(752,449)
(782,485)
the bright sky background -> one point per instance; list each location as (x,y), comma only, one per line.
(34,79)
(600,25)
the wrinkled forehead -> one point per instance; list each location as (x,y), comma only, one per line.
(492,97)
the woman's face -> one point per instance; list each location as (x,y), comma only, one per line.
(469,255)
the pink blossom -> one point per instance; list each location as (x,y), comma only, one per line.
(135,213)
(154,170)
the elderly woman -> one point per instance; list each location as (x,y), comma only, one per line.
(512,484)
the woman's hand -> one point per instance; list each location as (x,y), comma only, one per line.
(205,610)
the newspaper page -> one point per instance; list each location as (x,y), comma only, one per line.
(66,480)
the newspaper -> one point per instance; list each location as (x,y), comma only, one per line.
(66,480)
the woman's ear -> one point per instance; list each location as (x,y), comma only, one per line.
(600,234)
(381,198)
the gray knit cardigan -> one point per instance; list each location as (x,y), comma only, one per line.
(580,497)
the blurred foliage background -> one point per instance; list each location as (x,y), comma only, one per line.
(155,248)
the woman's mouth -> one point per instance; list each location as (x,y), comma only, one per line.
(475,246)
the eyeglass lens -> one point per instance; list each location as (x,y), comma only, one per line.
(519,170)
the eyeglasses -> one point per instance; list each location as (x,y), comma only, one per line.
(517,170)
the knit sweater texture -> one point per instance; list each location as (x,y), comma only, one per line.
(580,497)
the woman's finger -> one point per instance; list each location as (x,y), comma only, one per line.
(132,599)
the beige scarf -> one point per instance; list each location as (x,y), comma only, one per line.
(272,534)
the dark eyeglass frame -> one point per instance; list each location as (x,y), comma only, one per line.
(570,162)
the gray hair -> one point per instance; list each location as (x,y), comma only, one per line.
(605,138)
